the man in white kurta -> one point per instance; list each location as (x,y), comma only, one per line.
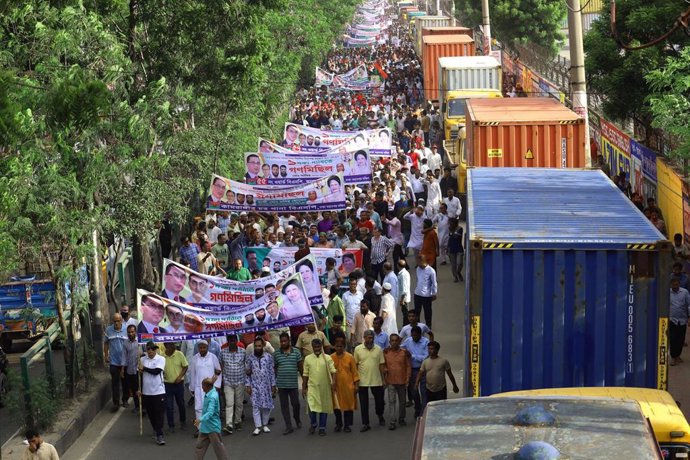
(390,323)
(203,365)
(442,222)
(416,218)
(434,197)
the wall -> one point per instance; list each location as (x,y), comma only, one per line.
(670,197)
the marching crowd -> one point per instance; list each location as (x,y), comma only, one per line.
(368,338)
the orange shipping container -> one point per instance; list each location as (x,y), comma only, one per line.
(436,46)
(524,132)
(448,31)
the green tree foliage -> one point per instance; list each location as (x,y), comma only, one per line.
(669,100)
(113,112)
(520,22)
(618,75)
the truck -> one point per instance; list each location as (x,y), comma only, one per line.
(533,428)
(519,132)
(438,46)
(27,307)
(423,22)
(450,30)
(567,284)
(462,78)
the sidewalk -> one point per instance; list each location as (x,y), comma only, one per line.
(71,422)
(679,382)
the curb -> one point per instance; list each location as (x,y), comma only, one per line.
(66,431)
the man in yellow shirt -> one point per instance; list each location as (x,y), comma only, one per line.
(304,340)
(370,365)
(176,366)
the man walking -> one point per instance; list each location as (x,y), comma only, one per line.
(346,384)
(209,424)
(260,385)
(114,351)
(397,375)
(288,364)
(203,365)
(152,389)
(232,360)
(419,351)
(404,290)
(131,373)
(679,313)
(434,369)
(37,449)
(370,366)
(426,289)
(318,385)
(176,366)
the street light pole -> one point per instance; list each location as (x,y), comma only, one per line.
(486,27)
(578,82)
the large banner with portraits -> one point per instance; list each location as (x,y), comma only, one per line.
(278,259)
(182,284)
(279,169)
(323,77)
(325,194)
(166,320)
(305,139)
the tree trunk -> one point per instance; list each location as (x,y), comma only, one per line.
(98,306)
(145,275)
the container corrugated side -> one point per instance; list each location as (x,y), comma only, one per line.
(448,31)
(433,51)
(537,145)
(423,22)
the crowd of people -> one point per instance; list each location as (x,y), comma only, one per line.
(368,340)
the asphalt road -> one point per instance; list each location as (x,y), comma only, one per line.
(116,436)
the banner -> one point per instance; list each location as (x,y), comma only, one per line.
(296,138)
(615,147)
(325,194)
(278,259)
(323,78)
(643,178)
(279,169)
(165,320)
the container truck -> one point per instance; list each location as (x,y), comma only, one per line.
(411,15)
(524,132)
(405,10)
(423,22)
(450,30)
(463,78)
(535,428)
(438,46)
(27,307)
(567,284)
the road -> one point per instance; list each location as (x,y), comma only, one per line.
(111,436)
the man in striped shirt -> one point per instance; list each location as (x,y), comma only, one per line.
(380,247)
(288,362)
(232,363)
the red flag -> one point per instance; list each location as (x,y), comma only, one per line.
(383,74)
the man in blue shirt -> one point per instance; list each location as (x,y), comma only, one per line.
(188,253)
(209,424)
(380,337)
(417,345)
(678,316)
(114,354)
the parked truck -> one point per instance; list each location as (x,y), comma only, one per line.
(27,307)
(567,283)
(423,22)
(524,132)
(462,78)
(533,428)
(439,46)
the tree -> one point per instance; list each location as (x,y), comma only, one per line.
(520,22)
(617,75)
(669,100)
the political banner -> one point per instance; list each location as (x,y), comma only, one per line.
(615,147)
(182,284)
(296,138)
(279,169)
(323,78)
(644,178)
(279,258)
(325,194)
(351,42)
(166,320)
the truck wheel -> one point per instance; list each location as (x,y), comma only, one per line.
(6,343)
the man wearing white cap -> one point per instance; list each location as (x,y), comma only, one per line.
(390,323)
(203,365)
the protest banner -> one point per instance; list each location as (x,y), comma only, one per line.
(643,178)
(323,78)
(296,138)
(166,320)
(303,169)
(325,194)
(182,284)
(278,259)
(615,147)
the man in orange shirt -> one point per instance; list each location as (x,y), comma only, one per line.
(430,243)
(397,374)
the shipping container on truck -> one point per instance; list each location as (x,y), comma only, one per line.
(437,46)
(405,10)
(411,16)
(567,283)
(450,30)
(520,132)
(421,23)
(534,428)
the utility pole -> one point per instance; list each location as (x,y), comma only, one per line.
(438,7)
(486,27)
(578,82)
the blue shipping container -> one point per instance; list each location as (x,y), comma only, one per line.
(568,284)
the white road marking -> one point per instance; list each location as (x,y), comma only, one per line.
(100,437)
